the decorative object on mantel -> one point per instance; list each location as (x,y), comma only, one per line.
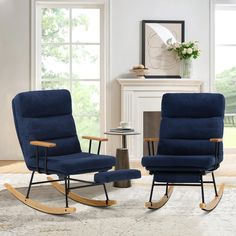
(155,34)
(185,52)
(139,70)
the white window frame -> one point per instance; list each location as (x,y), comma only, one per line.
(104,6)
(213,4)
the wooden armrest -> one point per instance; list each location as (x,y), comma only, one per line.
(95,138)
(42,144)
(216,140)
(151,139)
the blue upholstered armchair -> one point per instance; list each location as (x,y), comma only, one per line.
(48,139)
(189,145)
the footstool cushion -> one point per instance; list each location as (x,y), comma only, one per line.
(117,175)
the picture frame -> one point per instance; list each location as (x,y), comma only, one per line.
(160,62)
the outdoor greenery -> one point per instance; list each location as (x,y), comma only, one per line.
(226,84)
(55,67)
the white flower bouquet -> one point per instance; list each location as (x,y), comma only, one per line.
(185,50)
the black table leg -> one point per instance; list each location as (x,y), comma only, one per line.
(124,142)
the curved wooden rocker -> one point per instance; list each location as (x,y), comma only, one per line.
(162,201)
(38,206)
(212,205)
(80,199)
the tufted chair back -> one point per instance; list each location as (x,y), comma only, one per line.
(45,116)
(189,121)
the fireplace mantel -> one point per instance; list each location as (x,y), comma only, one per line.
(140,95)
(138,84)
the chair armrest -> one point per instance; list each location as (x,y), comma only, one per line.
(91,138)
(100,139)
(216,140)
(42,144)
(151,139)
(46,145)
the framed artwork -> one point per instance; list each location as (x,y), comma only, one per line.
(155,56)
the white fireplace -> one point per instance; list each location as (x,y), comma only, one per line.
(144,95)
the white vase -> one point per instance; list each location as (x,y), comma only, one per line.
(186,68)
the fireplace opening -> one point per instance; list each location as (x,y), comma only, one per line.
(151,127)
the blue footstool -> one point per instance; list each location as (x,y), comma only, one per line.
(116,175)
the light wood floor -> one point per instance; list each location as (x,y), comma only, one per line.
(13,167)
(227,168)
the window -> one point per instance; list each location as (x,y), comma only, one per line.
(225,66)
(69,54)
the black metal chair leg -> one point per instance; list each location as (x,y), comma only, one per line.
(68,185)
(149,149)
(153,152)
(31,180)
(202,189)
(214,182)
(105,190)
(167,185)
(90,145)
(66,191)
(150,198)
(99,147)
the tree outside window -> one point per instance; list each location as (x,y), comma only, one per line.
(70,59)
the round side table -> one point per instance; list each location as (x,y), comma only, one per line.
(122,156)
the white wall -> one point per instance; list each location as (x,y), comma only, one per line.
(14,68)
(125,40)
(126,17)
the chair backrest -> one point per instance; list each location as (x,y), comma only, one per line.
(189,120)
(45,116)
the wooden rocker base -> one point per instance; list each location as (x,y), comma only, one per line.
(38,206)
(83,200)
(211,205)
(161,202)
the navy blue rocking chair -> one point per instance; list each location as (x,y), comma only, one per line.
(189,145)
(48,139)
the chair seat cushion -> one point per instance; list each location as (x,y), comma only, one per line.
(76,163)
(117,175)
(198,162)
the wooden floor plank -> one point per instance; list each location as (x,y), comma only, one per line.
(15,167)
